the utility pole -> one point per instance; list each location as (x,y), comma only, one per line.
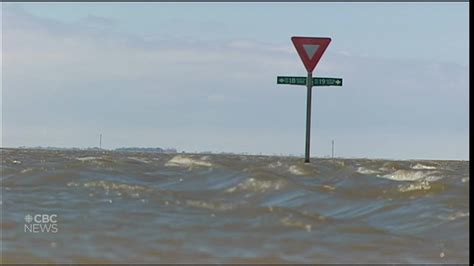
(332,148)
(100,142)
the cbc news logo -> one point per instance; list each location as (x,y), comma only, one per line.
(41,223)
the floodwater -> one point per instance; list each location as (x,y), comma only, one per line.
(192,208)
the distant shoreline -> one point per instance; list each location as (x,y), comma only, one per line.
(206,153)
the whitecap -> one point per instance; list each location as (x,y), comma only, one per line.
(183,161)
(26,170)
(275,165)
(289,221)
(296,170)
(252,184)
(453,216)
(433,178)
(405,175)
(420,166)
(72,184)
(365,171)
(130,190)
(205,157)
(424,185)
(90,158)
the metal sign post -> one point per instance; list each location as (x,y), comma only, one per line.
(309,85)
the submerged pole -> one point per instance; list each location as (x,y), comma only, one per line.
(309,84)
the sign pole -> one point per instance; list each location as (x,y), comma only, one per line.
(309,84)
(310,50)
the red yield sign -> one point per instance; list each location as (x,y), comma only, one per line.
(310,50)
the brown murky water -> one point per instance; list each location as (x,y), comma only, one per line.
(194,208)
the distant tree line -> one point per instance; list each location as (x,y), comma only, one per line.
(138,149)
(123,149)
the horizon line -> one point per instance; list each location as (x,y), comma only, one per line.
(225,153)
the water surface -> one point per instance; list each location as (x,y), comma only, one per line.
(195,208)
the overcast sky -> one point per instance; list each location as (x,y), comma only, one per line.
(202,77)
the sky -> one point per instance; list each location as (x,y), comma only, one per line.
(202,77)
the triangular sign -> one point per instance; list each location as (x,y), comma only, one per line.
(310,50)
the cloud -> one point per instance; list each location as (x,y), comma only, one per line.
(99,22)
(59,75)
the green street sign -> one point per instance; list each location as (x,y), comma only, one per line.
(291,80)
(318,81)
(327,82)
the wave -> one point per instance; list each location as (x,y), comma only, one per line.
(296,170)
(365,171)
(184,161)
(89,158)
(119,189)
(210,205)
(274,165)
(254,185)
(138,160)
(454,216)
(292,169)
(423,185)
(406,175)
(290,221)
(420,166)
(391,166)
